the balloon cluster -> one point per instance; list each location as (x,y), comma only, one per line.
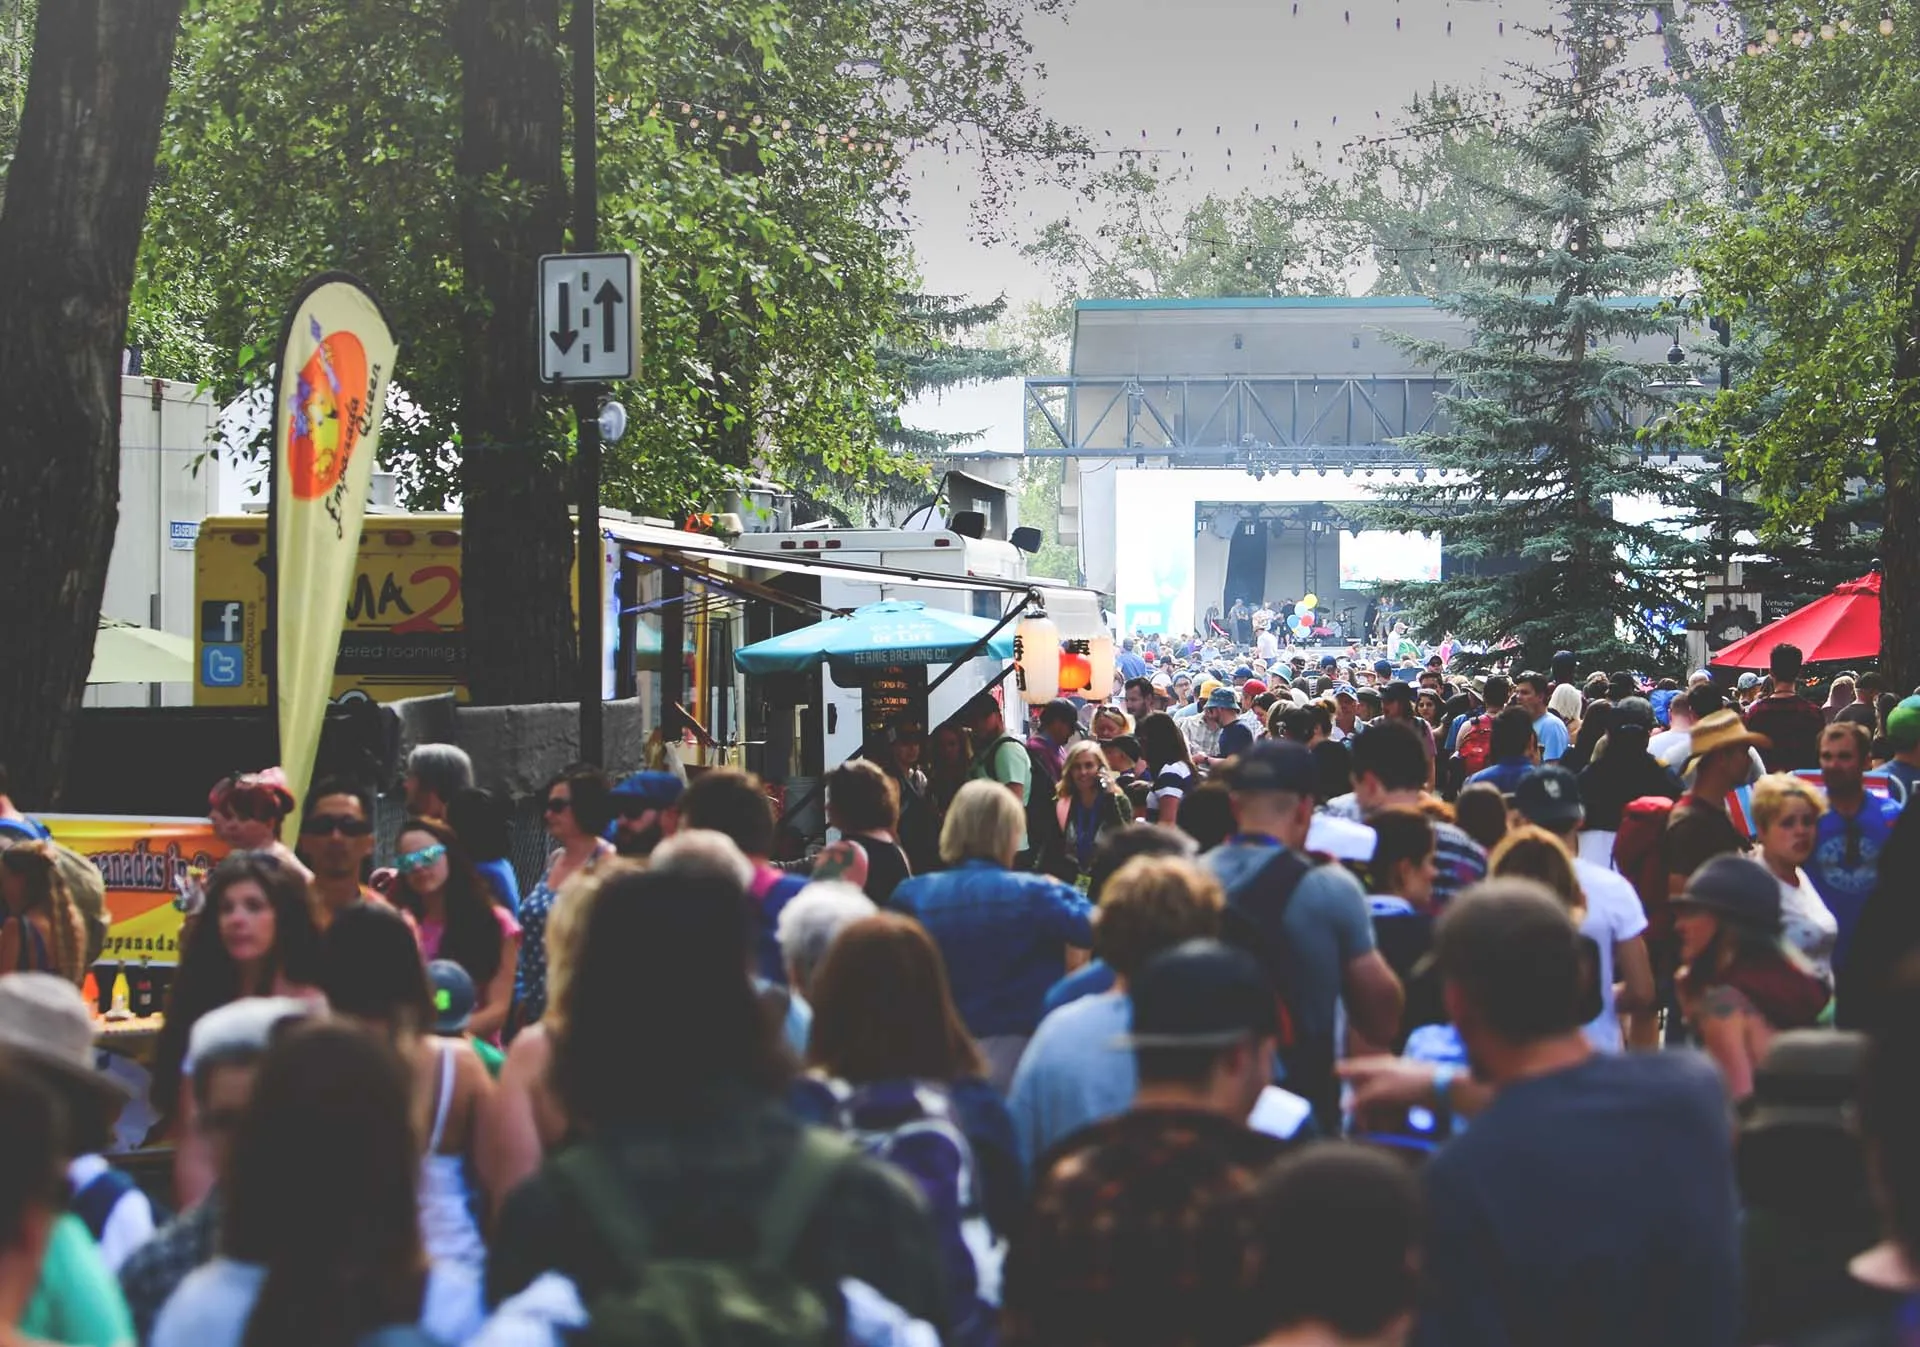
(1301,620)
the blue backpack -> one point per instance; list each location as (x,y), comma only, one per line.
(912,1125)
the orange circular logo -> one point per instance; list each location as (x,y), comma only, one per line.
(329,399)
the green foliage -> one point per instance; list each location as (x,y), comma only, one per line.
(16,49)
(1816,263)
(750,155)
(1542,432)
(1040,482)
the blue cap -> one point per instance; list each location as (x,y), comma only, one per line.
(1243,673)
(658,790)
(1383,667)
(1328,661)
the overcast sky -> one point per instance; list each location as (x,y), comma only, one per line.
(1176,69)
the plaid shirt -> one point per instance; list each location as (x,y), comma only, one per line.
(1132,1237)
(1003,935)
(154,1270)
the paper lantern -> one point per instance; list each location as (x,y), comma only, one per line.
(1100,655)
(1076,672)
(1036,657)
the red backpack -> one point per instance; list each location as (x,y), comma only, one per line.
(1475,745)
(1639,854)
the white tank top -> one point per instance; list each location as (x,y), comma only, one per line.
(447,1224)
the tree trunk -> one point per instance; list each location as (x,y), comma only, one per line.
(1900,569)
(518,544)
(75,202)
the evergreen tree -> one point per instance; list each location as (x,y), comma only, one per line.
(934,356)
(1544,430)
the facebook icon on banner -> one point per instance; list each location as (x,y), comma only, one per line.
(222,620)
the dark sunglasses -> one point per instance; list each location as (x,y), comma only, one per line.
(318,825)
(558,804)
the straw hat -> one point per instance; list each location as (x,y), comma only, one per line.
(1722,729)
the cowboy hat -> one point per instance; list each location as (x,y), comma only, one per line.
(1722,729)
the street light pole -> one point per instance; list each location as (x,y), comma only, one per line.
(586,397)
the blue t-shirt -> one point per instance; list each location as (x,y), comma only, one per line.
(1845,864)
(1503,776)
(1073,1073)
(1593,1204)
(1907,776)
(1326,927)
(1088,980)
(504,882)
(1551,731)
(1235,739)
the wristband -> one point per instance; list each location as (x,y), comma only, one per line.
(1443,1084)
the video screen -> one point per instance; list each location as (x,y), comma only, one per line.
(1376,557)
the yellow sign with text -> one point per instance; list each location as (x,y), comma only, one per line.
(146,861)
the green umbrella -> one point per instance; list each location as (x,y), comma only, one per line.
(876,636)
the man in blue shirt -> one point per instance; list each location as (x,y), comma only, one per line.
(1903,732)
(1845,865)
(1512,753)
(1131,665)
(1530,690)
(1593,1200)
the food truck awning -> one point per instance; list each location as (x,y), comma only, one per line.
(1075,611)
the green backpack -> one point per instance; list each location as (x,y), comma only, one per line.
(687,1302)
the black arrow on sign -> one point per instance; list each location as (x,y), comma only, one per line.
(569,334)
(608,297)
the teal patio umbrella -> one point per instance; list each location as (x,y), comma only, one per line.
(876,636)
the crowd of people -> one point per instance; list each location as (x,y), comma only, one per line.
(1284,1001)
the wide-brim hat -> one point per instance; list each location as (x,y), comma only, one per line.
(1722,729)
(44,1023)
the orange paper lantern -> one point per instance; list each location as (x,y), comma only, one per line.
(1076,672)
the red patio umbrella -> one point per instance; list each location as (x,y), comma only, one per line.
(1843,625)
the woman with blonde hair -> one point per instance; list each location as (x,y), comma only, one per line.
(525,1116)
(1086,807)
(1003,934)
(1786,823)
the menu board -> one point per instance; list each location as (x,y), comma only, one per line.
(893,696)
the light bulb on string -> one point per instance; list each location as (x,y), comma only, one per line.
(1886,25)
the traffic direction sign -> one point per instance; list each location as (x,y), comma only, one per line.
(589,317)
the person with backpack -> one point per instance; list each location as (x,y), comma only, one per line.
(1512,751)
(1130,1238)
(1739,984)
(1623,768)
(692,1203)
(1004,933)
(892,1068)
(1309,925)
(997,755)
(1469,739)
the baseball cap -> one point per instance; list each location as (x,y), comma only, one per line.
(1201,994)
(656,790)
(1345,690)
(1162,682)
(1738,888)
(1126,743)
(1383,667)
(1633,711)
(1396,691)
(1328,662)
(1208,686)
(1368,695)
(1903,725)
(1222,697)
(1274,764)
(1253,687)
(1550,797)
(453,997)
(1059,710)
(1242,674)
(1747,681)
